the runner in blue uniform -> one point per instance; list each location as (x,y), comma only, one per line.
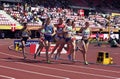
(48,34)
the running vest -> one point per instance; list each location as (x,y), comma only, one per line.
(25,33)
(86,33)
(69,29)
(48,29)
(60,28)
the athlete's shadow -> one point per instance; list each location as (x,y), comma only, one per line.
(21,60)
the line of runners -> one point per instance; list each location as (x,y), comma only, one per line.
(61,33)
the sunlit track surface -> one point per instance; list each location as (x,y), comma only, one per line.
(13,66)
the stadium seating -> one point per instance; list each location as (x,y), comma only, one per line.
(7,20)
(34,17)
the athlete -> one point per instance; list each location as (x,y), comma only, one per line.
(69,39)
(41,42)
(59,38)
(86,32)
(48,35)
(25,35)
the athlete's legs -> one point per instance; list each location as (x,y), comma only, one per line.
(41,47)
(23,48)
(74,48)
(85,49)
(47,45)
(61,46)
(70,50)
(56,46)
(36,52)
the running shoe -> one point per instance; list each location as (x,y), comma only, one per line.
(48,61)
(38,54)
(51,56)
(86,63)
(34,56)
(57,57)
(25,57)
(69,57)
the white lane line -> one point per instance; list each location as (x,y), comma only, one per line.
(76,72)
(4,43)
(92,68)
(69,65)
(32,72)
(6,77)
(41,73)
(98,75)
(10,55)
(103,76)
(115,53)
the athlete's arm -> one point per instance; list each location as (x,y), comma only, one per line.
(54,30)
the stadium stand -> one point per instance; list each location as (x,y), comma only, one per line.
(35,12)
(6,19)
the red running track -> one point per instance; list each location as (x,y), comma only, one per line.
(12,65)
